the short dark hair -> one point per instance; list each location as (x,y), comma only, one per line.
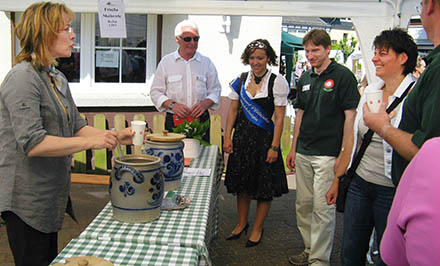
(259,44)
(401,42)
(318,37)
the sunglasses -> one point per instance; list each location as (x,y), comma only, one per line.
(188,39)
(257,44)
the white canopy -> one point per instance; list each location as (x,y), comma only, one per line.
(369,16)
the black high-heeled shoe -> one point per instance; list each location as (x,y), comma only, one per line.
(237,236)
(250,244)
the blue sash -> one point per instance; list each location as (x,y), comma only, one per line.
(253,111)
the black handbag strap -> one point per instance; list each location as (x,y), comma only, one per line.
(369,135)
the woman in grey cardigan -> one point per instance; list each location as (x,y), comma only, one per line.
(40,129)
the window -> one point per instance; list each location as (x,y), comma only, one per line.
(71,66)
(111,71)
(106,60)
(122,60)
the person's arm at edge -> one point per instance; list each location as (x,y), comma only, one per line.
(278,130)
(124,136)
(400,140)
(86,138)
(290,160)
(347,143)
(419,216)
(343,159)
(413,217)
(230,121)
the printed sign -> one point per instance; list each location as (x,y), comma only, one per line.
(107,58)
(112,19)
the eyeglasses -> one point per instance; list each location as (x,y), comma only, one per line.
(419,8)
(257,44)
(188,39)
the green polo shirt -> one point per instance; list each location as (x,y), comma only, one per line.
(324,98)
(421,111)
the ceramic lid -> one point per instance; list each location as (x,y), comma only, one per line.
(165,136)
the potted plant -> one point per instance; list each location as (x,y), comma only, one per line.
(194,132)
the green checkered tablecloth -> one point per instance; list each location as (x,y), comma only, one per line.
(192,227)
(129,253)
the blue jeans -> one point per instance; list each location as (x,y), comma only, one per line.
(366,207)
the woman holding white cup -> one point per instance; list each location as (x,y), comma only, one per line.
(40,130)
(371,191)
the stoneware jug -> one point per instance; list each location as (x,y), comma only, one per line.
(169,148)
(136,188)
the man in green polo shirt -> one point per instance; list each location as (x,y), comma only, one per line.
(421,110)
(327,99)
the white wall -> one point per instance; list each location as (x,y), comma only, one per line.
(168,40)
(5,45)
(224,48)
(369,16)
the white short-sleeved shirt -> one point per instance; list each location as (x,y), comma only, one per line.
(280,89)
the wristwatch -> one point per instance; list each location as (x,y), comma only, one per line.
(274,148)
(170,106)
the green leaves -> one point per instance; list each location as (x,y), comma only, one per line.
(195,130)
(347,47)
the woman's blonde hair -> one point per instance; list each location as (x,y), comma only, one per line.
(37,31)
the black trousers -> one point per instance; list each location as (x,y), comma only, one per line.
(29,247)
(169,123)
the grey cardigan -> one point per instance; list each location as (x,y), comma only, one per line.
(35,188)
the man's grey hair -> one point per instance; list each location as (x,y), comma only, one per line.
(184,23)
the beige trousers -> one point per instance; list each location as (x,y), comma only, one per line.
(315,219)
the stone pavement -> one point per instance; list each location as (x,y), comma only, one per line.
(281,237)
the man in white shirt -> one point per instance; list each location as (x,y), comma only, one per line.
(186,83)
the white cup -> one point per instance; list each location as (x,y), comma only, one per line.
(374,100)
(139,128)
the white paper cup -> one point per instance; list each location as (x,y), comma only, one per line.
(138,127)
(374,100)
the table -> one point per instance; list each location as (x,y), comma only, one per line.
(128,253)
(193,227)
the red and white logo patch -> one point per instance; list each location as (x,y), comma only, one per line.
(328,84)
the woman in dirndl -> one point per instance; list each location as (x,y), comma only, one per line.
(255,165)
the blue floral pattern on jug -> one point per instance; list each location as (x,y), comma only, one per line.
(127,189)
(172,161)
(138,177)
(157,186)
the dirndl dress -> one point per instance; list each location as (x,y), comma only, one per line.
(247,170)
